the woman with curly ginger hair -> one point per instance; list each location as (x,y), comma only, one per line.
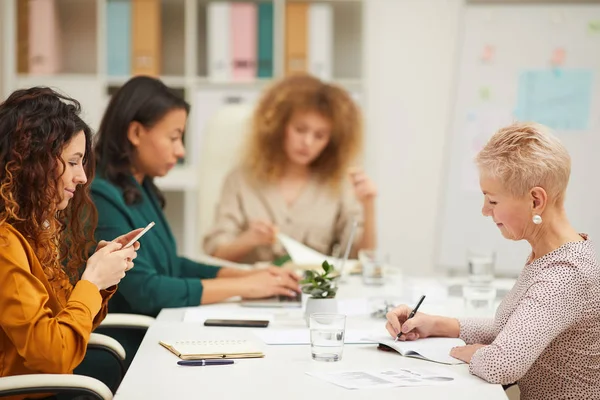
(46,230)
(305,136)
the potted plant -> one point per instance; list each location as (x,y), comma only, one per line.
(321,288)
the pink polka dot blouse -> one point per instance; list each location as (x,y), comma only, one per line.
(546,333)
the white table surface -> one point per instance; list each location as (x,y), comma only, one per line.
(154,373)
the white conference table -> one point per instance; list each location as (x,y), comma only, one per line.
(154,373)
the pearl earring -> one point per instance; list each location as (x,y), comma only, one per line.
(537,219)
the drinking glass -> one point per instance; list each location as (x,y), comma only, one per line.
(327,333)
(373,265)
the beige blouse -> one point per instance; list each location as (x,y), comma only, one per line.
(321,218)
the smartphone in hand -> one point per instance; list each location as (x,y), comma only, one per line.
(139,235)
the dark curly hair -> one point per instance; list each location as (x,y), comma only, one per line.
(35,126)
(141,99)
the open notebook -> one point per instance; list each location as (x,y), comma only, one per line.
(430,349)
(209,349)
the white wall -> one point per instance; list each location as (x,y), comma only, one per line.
(411,51)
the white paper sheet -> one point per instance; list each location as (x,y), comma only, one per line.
(385,378)
(304,255)
(300,253)
(353,307)
(302,336)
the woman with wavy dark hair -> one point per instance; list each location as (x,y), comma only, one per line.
(141,138)
(46,230)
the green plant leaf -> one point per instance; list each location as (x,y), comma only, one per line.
(309,275)
(326,267)
(306,289)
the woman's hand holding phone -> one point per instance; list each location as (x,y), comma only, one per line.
(128,239)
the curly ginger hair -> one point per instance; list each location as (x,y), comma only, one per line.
(264,155)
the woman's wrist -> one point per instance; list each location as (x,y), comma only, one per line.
(446,327)
(369,204)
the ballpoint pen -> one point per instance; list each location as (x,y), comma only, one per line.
(412,314)
(204,363)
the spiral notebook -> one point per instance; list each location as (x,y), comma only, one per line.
(214,348)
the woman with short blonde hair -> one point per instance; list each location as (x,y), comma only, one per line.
(306,134)
(545,336)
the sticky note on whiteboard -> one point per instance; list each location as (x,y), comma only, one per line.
(594,27)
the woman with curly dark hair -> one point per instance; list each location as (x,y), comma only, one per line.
(47,221)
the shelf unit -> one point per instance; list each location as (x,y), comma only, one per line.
(184,42)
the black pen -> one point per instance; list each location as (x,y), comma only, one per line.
(412,314)
(204,363)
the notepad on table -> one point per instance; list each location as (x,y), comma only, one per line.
(213,348)
(430,349)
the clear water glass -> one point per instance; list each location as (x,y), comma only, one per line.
(327,333)
(479,300)
(373,265)
(481,267)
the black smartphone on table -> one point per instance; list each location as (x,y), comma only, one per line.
(237,323)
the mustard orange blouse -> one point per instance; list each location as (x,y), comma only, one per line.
(43,329)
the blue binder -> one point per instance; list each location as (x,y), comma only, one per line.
(118,37)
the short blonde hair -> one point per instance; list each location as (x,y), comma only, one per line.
(264,156)
(525,155)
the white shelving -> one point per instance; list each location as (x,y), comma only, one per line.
(184,51)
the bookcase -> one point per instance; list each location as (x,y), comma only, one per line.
(185,38)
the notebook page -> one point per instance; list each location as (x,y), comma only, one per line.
(304,255)
(432,349)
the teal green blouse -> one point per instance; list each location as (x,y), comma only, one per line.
(159,279)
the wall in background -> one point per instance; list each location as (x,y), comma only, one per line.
(411,50)
(409,72)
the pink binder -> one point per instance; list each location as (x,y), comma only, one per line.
(243,40)
(44,38)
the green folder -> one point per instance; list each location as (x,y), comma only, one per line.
(265,40)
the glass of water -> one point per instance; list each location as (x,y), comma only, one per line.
(327,333)
(373,265)
(481,267)
(479,300)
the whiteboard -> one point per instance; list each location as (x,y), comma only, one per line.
(502,47)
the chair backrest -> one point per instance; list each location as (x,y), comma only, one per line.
(223,138)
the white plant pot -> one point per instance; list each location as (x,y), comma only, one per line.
(313,306)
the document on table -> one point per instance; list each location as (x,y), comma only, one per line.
(302,336)
(386,378)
